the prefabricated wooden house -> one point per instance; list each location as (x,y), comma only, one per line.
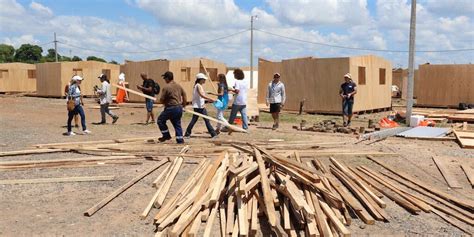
(317,81)
(52,78)
(17,77)
(184,72)
(400,79)
(445,85)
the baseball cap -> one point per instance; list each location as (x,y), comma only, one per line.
(167,75)
(348,75)
(201,76)
(276,74)
(77,78)
(102,76)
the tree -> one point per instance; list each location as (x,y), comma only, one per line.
(51,56)
(76,58)
(28,53)
(94,58)
(65,59)
(113,62)
(7,52)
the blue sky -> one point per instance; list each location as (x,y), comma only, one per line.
(125,29)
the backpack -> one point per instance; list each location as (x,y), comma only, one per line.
(156,88)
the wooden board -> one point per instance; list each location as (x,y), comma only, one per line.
(58,180)
(469,171)
(466,139)
(233,127)
(17,77)
(134,92)
(447,175)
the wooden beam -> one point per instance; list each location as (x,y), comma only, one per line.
(230,126)
(122,189)
(208,76)
(30,152)
(58,180)
(267,194)
(334,220)
(469,171)
(450,179)
(167,185)
(134,92)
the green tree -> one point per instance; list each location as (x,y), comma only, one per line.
(76,58)
(94,58)
(51,56)
(113,62)
(28,53)
(65,59)
(7,52)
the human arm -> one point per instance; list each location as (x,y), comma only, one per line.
(283,95)
(267,97)
(184,97)
(341,93)
(352,93)
(203,95)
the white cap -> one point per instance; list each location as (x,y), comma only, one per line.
(201,76)
(121,76)
(348,75)
(77,78)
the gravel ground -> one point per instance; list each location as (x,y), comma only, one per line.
(57,209)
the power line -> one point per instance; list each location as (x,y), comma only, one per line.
(156,51)
(364,49)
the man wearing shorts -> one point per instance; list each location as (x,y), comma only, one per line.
(147,89)
(347,92)
(276,97)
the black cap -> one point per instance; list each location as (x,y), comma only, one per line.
(168,75)
(102,76)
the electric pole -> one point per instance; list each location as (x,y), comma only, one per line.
(411,62)
(55,47)
(252,18)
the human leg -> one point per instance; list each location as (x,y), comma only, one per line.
(243,113)
(191,124)
(103,109)
(349,111)
(161,121)
(233,113)
(176,121)
(209,127)
(76,120)
(70,116)
(80,110)
(220,117)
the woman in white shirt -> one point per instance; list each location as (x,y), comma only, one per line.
(240,102)
(199,102)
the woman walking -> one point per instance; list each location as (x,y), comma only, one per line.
(74,94)
(199,99)
(240,102)
(223,97)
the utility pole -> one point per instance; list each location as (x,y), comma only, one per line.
(252,18)
(55,47)
(411,62)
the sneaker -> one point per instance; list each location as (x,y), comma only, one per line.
(215,136)
(187,136)
(115,119)
(180,141)
(99,123)
(274,127)
(86,132)
(344,124)
(163,139)
(348,123)
(218,131)
(70,134)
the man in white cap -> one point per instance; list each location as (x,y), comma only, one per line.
(347,92)
(276,97)
(105,98)
(199,102)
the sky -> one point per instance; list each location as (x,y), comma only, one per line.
(219,29)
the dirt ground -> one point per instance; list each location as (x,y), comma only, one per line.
(56,209)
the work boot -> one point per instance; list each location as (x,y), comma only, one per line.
(115,118)
(100,123)
(164,138)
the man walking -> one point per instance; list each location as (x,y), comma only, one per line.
(276,97)
(105,98)
(347,92)
(173,98)
(147,89)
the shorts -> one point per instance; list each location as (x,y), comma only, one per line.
(275,108)
(149,105)
(347,107)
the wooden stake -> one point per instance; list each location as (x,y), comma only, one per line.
(58,180)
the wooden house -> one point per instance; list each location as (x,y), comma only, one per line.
(400,79)
(52,78)
(184,72)
(317,81)
(17,77)
(445,85)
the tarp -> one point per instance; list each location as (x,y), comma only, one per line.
(425,132)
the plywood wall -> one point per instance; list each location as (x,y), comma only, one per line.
(400,79)
(52,78)
(154,69)
(266,69)
(445,85)
(17,77)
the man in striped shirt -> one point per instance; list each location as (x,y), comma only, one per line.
(276,97)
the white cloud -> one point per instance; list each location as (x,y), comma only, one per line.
(18,41)
(446,7)
(41,10)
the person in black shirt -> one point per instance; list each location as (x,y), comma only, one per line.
(347,92)
(147,89)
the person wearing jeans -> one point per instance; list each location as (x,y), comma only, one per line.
(199,101)
(347,92)
(222,96)
(240,102)
(75,94)
(105,97)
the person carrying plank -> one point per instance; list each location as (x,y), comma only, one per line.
(105,98)
(173,98)
(147,89)
(199,102)
(347,92)
(276,97)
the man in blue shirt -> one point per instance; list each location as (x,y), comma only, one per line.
(347,92)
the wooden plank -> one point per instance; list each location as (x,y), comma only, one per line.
(469,171)
(122,189)
(230,214)
(30,152)
(58,180)
(225,124)
(134,92)
(334,220)
(448,177)
(223,219)
(458,201)
(68,160)
(159,178)
(167,185)
(242,217)
(320,217)
(451,221)
(267,195)
(210,221)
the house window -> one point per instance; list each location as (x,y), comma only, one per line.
(185,74)
(77,72)
(32,74)
(382,76)
(3,73)
(361,76)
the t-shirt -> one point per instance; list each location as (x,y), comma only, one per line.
(75,93)
(198,101)
(105,94)
(172,94)
(224,98)
(241,98)
(148,83)
(347,88)
(276,93)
